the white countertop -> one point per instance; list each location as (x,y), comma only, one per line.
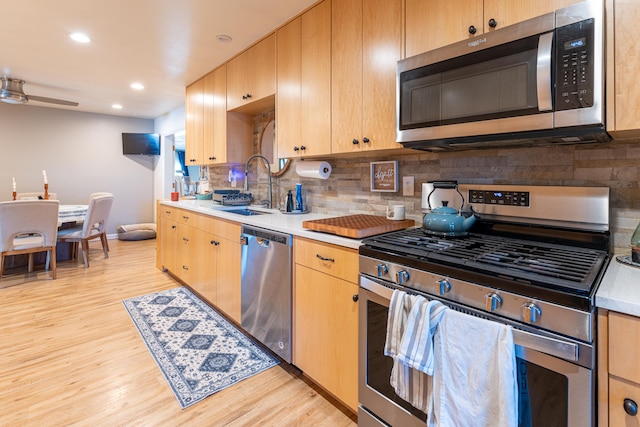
(620,289)
(275,220)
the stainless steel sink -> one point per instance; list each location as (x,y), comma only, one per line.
(247,212)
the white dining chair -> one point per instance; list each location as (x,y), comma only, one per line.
(99,194)
(93,227)
(28,227)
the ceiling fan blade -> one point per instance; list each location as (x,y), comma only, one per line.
(52,100)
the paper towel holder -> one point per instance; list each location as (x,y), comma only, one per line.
(268,148)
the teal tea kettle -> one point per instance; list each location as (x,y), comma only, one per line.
(445,220)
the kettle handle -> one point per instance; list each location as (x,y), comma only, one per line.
(444,185)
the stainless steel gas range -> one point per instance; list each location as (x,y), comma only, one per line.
(533,261)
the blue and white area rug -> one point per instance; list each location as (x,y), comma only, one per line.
(198,351)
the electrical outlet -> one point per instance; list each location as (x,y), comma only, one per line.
(408,186)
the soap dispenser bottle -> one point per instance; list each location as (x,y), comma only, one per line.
(299,205)
(289,203)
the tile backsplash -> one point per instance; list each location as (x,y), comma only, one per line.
(347,191)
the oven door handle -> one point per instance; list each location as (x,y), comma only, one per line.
(554,347)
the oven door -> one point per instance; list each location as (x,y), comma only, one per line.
(553,391)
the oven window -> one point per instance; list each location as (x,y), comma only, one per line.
(543,396)
(378,370)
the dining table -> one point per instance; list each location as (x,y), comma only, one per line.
(71,214)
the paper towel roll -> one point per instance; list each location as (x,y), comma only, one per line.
(310,169)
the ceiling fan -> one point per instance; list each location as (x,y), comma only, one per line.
(11,92)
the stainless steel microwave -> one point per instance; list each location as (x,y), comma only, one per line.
(540,81)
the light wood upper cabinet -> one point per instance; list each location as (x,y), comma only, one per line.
(194,131)
(366,45)
(303,105)
(623,58)
(251,77)
(213,135)
(434,23)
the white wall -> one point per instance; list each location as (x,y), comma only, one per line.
(82,153)
(166,125)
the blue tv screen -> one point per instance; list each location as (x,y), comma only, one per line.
(141,143)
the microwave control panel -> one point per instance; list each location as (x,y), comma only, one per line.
(574,66)
(506,198)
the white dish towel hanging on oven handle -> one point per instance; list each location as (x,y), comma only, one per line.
(410,326)
(475,378)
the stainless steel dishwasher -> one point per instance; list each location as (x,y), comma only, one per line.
(266,288)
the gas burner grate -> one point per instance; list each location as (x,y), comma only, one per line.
(554,265)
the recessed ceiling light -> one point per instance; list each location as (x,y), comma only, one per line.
(223,38)
(116,107)
(79,37)
(137,86)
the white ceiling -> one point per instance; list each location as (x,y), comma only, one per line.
(163,44)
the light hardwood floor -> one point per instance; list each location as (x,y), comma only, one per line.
(70,356)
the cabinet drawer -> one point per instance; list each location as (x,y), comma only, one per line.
(624,346)
(186,268)
(224,229)
(619,391)
(168,212)
(186,239)
(326,258)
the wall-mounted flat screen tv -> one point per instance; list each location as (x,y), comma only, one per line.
(141,143)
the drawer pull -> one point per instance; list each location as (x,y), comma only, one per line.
(214,242)
(630,407)
(185,217)
(325,259)
(185,239)
(184,267)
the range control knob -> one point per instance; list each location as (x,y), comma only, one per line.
(402,277)
(382,270)
(492,301)
(530,312)
(444,286)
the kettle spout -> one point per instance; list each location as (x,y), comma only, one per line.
(470,218)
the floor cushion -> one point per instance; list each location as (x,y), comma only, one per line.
(136,231)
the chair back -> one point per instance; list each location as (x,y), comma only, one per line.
(28,217)
(97,215)
(99,194)
(35,195)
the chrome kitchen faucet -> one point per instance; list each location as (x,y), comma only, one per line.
(246,175)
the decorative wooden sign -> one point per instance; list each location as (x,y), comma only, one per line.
(384,176)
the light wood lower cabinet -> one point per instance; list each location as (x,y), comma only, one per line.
(618,369)
(326,317)
(204,253)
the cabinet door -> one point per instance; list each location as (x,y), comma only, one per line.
(238,71)
(366,45)
(431,24)
(326,332)
(346,75)
(194,110)
(208,252)
(251,76)
(620,390)
(507,12)
(315,74)
(167,242)
(262,68)
(623,109)
(288,100)
(215,117)
(228,265)
(304,84)
(382,48)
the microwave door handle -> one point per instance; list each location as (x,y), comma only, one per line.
(543,71)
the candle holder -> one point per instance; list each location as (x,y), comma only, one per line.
(46,191)
(14,195)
